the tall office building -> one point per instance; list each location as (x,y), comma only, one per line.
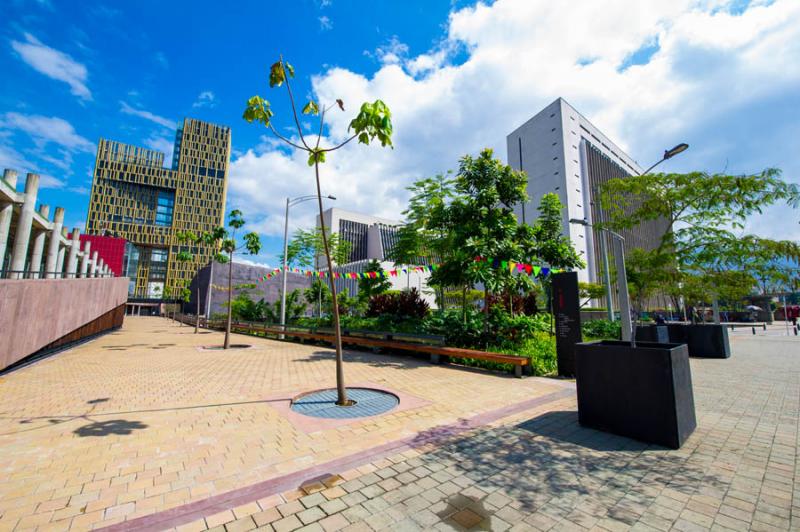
(134,196)
(562,152)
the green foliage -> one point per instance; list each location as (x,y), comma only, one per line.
(244,308)
(550,245)
(373,120)
(703,214)
(601,330)
(258,110)
(369,287)
(423,238)
(479,221)
(306,248)
(591,291)
(311,108)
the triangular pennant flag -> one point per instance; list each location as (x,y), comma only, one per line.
(545,271)
(536,270)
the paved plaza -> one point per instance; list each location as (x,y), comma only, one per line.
(144,429)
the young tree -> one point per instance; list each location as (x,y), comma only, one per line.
(423,239)
(550,245)
(187,239)
(372,122)
(369,286)
(228,245)
(702,213)
(479,221)
(590,292)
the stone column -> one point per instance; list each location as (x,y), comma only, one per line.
(100,266)
(93,265)
(51,263)
(38,245)
(72,258)
(6,211)
(87,246)
(23,235)
(62,252)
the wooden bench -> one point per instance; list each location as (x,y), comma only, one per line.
(410,342)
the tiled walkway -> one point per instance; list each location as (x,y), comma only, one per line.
(539,470)
(142,421)
(475,451)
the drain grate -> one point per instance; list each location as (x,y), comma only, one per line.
(322,403)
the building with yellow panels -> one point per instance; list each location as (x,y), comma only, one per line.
(135,197)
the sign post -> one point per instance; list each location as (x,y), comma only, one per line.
(567,319)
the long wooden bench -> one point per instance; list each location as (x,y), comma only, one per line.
(438,353)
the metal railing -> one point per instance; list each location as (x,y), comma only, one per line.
(35,274)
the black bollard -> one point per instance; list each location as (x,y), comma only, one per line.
(754,331)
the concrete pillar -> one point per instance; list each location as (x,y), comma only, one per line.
(38,245)
(22,237)
(87,246)
(51,263)
(72,257)
(62,252)
(6,211)
(93,265)
(100,267)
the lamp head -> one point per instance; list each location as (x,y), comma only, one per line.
(682,147)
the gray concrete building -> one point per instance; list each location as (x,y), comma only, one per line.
(562,152)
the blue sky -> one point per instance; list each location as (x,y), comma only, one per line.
(722,76)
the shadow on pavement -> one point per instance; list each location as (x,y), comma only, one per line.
(119,427)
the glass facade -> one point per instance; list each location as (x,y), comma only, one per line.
(165,207)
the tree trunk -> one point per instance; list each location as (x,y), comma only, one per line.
(341,390)
(486,315)
(197,307)
(227,343)
(464,304)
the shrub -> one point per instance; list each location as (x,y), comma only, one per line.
(601,330)
(407,304)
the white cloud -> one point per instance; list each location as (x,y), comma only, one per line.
(205,99)
(162,144)
(54,64)
(391,53)
(500,64)
(44,129)
(325,23)
(48,181)
(83,191)
(147,115)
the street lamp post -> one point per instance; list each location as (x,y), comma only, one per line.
(290,202)
(622,281)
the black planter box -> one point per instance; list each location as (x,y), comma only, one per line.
(709,341)
(704,341)
(653,333)
(643,393)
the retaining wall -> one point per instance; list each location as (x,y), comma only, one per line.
(40,313)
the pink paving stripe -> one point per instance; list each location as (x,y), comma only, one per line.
(225,501)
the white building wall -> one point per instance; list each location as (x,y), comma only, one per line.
(552,157)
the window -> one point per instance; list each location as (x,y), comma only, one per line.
(165,205)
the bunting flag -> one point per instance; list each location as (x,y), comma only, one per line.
(510,266)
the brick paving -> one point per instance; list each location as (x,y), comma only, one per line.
(531,468)
(542,471)
(143,421)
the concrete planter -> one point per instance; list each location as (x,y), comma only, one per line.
(652,333)
(643,393)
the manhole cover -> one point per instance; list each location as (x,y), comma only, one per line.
(322,403)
